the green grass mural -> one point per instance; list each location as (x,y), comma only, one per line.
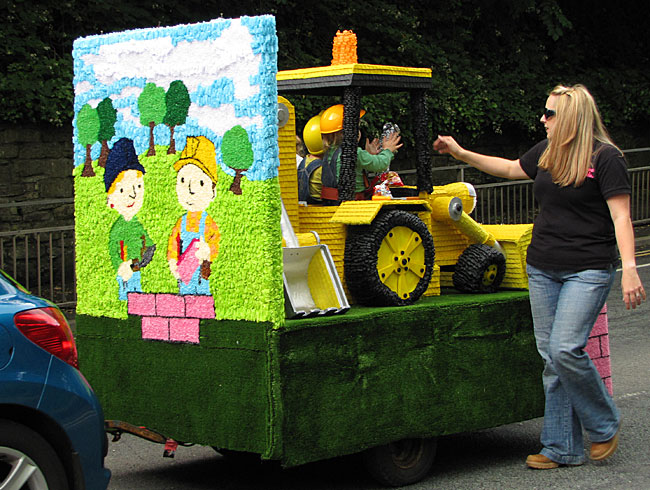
(246,277)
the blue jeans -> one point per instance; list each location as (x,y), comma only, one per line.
(565,306)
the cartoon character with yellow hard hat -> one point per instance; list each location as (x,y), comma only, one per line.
(194,241)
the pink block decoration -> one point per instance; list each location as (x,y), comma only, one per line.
(155,328)
(603,366)
(604,345)
(184,330)
(170,305)
(601,327)
(593,348)
(598,349)
(199,307)
(141,304)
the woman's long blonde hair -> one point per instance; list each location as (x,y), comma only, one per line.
(578,124)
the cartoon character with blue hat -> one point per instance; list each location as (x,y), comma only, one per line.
(194,240)
(129,244)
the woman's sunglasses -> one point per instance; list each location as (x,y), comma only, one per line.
(548,113)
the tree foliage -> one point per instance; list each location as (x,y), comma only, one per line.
(152,105)
(177,102)
(107,118)
(88,125)
(237,154)
(493,61)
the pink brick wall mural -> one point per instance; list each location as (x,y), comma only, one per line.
(170,317)
(598,349)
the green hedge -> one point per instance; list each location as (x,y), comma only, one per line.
(493,62)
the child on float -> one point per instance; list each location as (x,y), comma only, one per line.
(301,153)
(310,167)
(372,159)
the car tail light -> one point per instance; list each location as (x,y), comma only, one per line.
(48,328)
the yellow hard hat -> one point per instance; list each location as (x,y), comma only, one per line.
(331,120)
(312,137)
(199,151)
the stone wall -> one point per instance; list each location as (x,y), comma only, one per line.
(35,164)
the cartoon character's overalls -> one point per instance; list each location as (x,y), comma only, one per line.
(189,242)
(131,286)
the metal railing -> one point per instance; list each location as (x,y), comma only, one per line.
(640,199)
(505,203)
(42,259)
(513,202)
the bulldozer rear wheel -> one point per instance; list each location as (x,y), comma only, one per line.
(390,261)
(480,269)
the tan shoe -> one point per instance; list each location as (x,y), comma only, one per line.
(540,462)
(603,450)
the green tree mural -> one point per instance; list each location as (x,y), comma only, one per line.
(88,129)
(178,101)
(237,153)
(151,104)
(107,118)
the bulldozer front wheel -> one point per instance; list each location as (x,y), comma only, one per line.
(480,269)
(389,262)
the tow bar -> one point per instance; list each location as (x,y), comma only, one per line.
(116,428)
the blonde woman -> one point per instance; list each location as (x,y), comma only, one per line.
(583,192)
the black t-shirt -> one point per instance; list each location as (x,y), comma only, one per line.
(574,229)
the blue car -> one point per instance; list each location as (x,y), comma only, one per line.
(51,424)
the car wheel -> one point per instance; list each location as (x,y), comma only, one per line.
(480,269)
(27,460)
(390,261)
(401,463)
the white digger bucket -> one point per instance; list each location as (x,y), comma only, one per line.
(312,286)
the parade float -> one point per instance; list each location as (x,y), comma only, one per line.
(215,308)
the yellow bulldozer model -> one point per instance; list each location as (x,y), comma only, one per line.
(391,251)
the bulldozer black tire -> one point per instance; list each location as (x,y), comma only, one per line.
(361,260)
(480,269)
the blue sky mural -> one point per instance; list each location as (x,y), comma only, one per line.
(227,65)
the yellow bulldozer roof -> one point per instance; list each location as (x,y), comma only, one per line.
(328,80)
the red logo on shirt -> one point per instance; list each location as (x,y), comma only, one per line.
(591,173)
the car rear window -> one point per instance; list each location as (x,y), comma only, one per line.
(8,284)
